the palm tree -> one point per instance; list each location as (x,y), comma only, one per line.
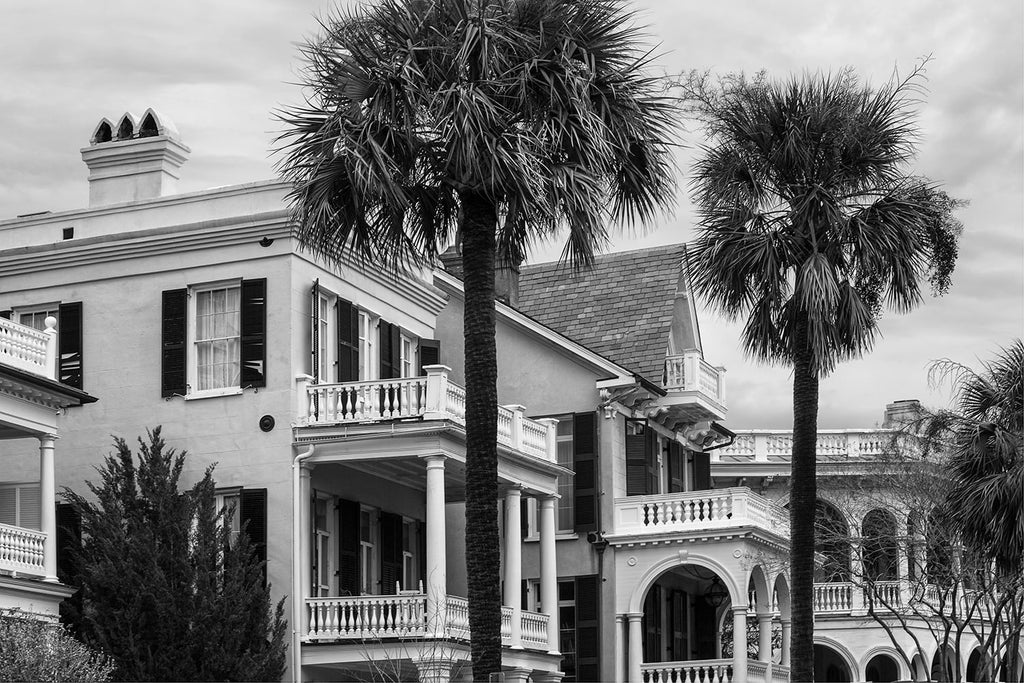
(808,226)
(494,122)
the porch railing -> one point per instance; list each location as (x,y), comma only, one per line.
(26,348)
(697,510)
(690,372)
(833,597)
(693,671)
(780,673)
(379,617)
(431,397)
(757,671)
(777,445)
(21,550)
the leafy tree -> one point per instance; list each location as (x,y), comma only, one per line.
(809,225)
(34,650)
(165,590)
(491,122)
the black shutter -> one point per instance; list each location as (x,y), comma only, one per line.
(69,543)
(349,580)
(172,345)
(430,353)
(701,471)
(651,624)
(584,464)
(705,627)
(69,343)
(588,634)
(348,341)
(252,516)
(314,331)
(637,460)
(390,552)
(6,315)
(390,350)
(675,467)
(524,518)
(653,475)
(254,333)
(421,553)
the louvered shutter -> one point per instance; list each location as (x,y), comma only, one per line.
(524,518)
(430,354)
(390,552)
(637,461)
(588,634)
(314,332)
(69,344)
(676,482)
(349,579)
(421,553)
(252,516)
(254,333)
(701,471)
(584,464)
(390,350)
(9,505)
(174,310)
(651,624)
(348,341)
(69,543)
(29,510)
(704,629)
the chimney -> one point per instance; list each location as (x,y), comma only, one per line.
(901,412)
(506,275)
(138,159)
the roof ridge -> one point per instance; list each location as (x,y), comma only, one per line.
(610,256)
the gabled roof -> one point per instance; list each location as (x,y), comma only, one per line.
(622,308)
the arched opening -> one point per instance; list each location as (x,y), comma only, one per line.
(939,550)
(829,666)
(125,130)
(918,668)
(681,615)
(881,551)
(915,542)
(976,667)
(148,128)
(943,668)
(103,133)
(831,544)
(882,668)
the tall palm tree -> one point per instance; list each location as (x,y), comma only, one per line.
(495,122)
(808,226)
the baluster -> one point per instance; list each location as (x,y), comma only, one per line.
(345,403)
(312,404)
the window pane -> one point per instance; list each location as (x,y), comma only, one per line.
(218,320)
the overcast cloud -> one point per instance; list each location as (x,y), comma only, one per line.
(219,69)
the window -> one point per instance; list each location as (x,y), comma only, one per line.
(213,338)
(217,337)
(409,577)
(229,501)
(69,335)
(408,357)
(324,351)
(367,550)
(322,550)
(565,519)
(577,626)
(366,347)
(20,505)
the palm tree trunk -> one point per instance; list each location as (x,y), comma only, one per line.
(482,556)
(802,496)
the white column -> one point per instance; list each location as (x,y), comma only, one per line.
(764,637)
(48,505)
(305,542)
(549,571)
(636,647)
(437,569)
(514,563)
(739,644)
(620,648)
(786,627)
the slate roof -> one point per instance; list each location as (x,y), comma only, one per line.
(621,308)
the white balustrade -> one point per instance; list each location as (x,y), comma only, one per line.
(833,444)
(368,616)
(28,349)
(535,630)
(690,372)
(696,510)
(21,550)
(757,671)
(780,673)
(693,671)
(506,624)
(888,594)
(458,617)
(833,597)
(430,397)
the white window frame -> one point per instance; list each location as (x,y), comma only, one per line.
(408,354)
(369,367)
(324,547)
(368,552)
(327,328)
(410,564)
(47,309)
(19,489)
(230,498)
(192,354)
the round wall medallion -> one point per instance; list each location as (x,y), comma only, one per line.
(737,553)
(631,561)
(267,423)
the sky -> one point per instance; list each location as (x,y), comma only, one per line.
(220,69)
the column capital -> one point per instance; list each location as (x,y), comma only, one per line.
(634,616)
(740,609)
(434,460)
(48,437)
(548,499)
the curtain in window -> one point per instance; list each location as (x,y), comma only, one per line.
(217,338)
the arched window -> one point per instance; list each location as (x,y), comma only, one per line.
(882,668)
(148,128)
(881,551)
(915,538)
(938,549)
(831,543)
(103,133)
(125,131)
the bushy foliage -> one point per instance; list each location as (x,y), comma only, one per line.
(34,650)
(165,590)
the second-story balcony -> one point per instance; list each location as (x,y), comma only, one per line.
(776,445)
(28,349)
(695,388)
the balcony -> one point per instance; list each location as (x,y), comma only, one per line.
(695,388)
(833,445)
(28,349)
(432,397)
(699,512)
(22,550)
(385,617)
